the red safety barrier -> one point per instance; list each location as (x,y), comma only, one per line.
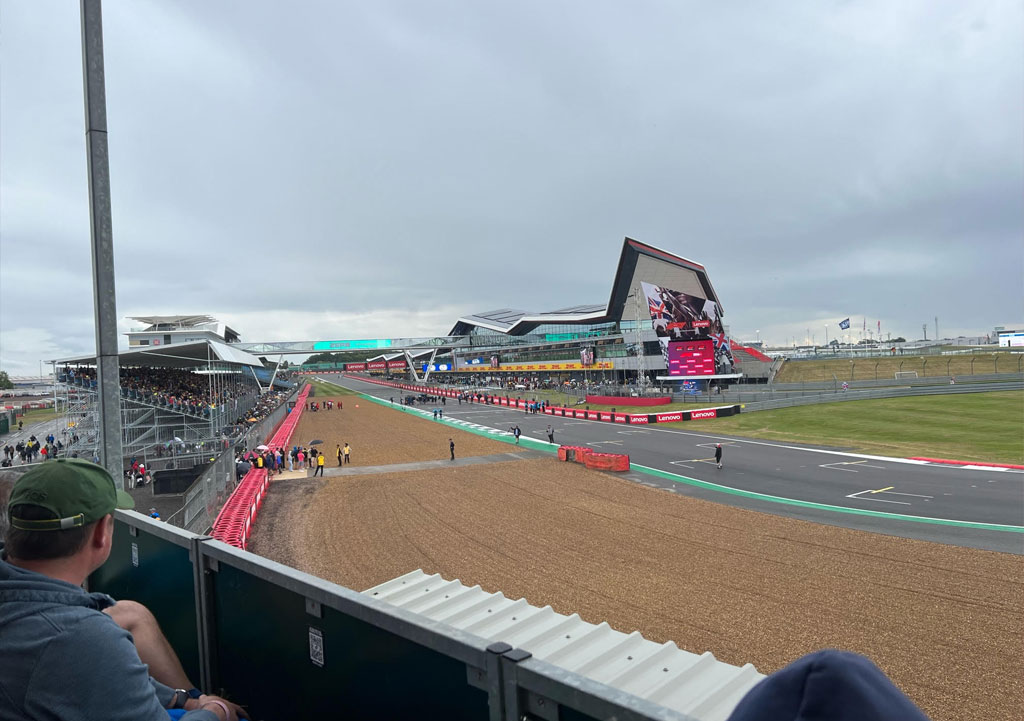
(234,523)
(607,461)
(576,454)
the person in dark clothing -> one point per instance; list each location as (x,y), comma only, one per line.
(718,454)
(451,447)
(551,434)
(827,685)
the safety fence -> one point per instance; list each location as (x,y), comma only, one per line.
(286,644)
(526,405)
(234,523)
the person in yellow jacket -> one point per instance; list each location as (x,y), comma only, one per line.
(320,458)
(348,452)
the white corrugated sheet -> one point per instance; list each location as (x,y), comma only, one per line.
(698,685)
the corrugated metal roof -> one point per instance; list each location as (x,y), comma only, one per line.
(698,685)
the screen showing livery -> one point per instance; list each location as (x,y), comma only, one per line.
(495,361)
(679,315)
(587,355)
(691,358)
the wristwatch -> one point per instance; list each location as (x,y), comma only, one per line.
(179,699)
(181,696)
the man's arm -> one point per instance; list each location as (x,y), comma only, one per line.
(92,671)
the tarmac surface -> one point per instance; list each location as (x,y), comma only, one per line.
(967,506)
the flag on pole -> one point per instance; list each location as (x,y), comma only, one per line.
(879,328)
(844,324)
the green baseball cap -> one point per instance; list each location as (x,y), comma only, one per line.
(78,492)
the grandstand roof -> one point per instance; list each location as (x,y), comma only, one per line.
(178,355)
(185,321)
(638,261)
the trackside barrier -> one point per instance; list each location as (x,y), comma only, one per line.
(341,653)
(574,454)
(234,523)
(606,416)
(607,461)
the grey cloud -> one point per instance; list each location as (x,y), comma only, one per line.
(361,157)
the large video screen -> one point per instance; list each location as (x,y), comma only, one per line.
(691,358)
(679,315)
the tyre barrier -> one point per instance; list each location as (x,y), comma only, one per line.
(234,524)
(605,416)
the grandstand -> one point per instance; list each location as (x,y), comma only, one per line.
(616,341)
(183,410)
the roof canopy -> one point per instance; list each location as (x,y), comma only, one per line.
(637,262)
(183,321)
(178,355)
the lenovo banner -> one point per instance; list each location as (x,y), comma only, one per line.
(710,413)
(355,366)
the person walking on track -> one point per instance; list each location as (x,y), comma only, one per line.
(516,432)
(718,454)
(451,447)
(551,434)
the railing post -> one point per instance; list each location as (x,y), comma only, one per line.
(204,612)
(514,704)
(495,681)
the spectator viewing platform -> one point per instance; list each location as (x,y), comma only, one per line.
(164,330)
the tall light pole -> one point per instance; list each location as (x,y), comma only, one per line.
(104,305)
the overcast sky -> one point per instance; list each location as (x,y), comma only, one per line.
(318,170)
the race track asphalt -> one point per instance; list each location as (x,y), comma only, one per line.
(946,504)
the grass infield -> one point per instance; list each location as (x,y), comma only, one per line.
(970,427)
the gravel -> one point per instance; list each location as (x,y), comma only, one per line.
(945,623)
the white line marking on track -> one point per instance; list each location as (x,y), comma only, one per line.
(880,500)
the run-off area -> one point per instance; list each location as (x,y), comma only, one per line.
(750,587)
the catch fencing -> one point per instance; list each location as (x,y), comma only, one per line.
(866,394)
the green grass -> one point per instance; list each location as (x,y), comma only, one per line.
(37,415)
(885,367)
(971,427)
(327,390)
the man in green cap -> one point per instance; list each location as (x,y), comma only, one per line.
(61,656)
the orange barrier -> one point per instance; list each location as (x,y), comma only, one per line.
(607,461)
(576,454)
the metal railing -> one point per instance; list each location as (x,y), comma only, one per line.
(342,654)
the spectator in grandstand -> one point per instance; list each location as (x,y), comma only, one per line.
(63,653)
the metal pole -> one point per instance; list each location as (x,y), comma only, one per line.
(101,232)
